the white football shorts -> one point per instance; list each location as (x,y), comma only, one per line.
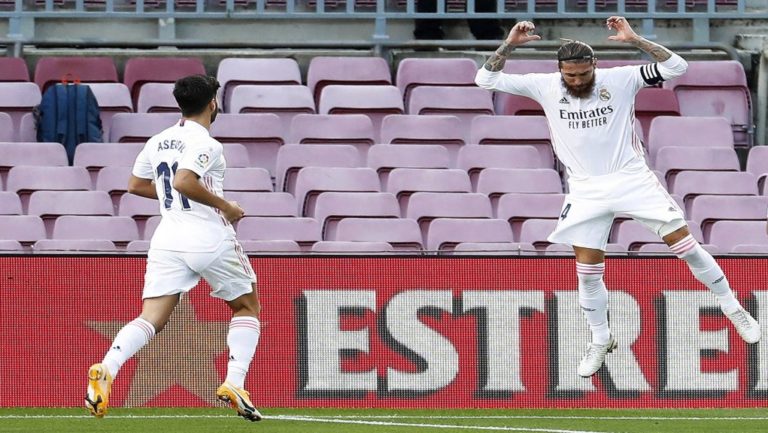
(592,204)
(227,270)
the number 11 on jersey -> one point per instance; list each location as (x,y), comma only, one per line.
(165,174)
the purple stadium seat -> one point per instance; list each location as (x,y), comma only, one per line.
(10,204)
(402,233)
(13,69)
(414,72)
(293,157)
(760,249)
(70,245)
(536,231)
(94,156)
(689,184)
(514,130)
(494,249)
(30,154)
(327,71)
(7,130)
(284,101)
(385,157)
(112,98)
(114,181)
(688,132)
(311,181)
(27,130)
(716,88)
(334,206)
(138,208)
(150,225)
(706,209)
(157,98)
(446,131)
(279,246)
(304,231)
(426,206)
(515,105)
(139,127)
(466,103)
(727,235)
(632,234)
(516,208)
(474,159)
(757,164)
(139,246)
(343,247)
(652,102)
(26,229)
(671,160)
(117,229)
(260,133)
(247,179)
(373,101)
(497,181)
(51,70)
(445,233)
(236,71)
(273,204)
(18,99)
(56,203)
(355,129)
(404,181)
(236,155)
(141,70)
(9,245)
(25,179)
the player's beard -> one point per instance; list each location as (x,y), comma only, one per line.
(581,92)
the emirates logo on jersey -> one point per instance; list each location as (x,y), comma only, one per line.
(605,95)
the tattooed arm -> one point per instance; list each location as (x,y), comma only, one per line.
(669,65)
(517,36)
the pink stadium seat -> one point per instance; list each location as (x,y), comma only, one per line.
(280,246)
(426,206)
(56,203)
(688,132)
(18,99)
(117,229)
(150,225)
(632,235)
(236,155)
(139,127)
(10,204)
(27,128)
(515,130)
(463,102)
(536,231)
(414,72)
(342,247)
(284,101)
(26,229)
(327,71)
(138,208)
(516,208)
(727,235)
(716,88)
(304,231)
(706,209)
(247,179)
(652,102)
(402,233)
(332,207)
(326,129)
(445,233)
(13,69)
(7,132)
(51,70)
(112,98)
(292,158)
(444,130)
(70,245)
(494,249)
(494,182)
(157,98)
(311,181)
(139,246)
(97,155)
(474,159)
(37,154)
(38,178)
(688,184)
(373,101)
(141,70)
(750,249)
(385,157)
(9,245)
(266,204)
(402,182)
(260,133)
(757,164)
(672,159)
(236,71)
(114,181)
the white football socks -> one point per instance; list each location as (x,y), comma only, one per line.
(705,269)
(134,335)
(242,339)
(593,299)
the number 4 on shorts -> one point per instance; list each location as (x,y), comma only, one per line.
(566,209)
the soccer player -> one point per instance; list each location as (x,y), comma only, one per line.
(183,167)
(590,113)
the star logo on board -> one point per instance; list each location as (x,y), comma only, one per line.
(183,355)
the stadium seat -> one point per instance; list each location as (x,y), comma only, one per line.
(112,98)
(25,229)
(52,70)
(414,72)
(750,249)
(157,98)
(46,204)
(70,245)
(706,209)
(652,102)
(267,204)
(466,103)
(141,70)
(402,182)
(328,71)
(13,69)
(236,155)
(18,99)
(385,157)
(444,130)
(25,179)
(37,154)
(516,208)
(7,129)
(94,156)
(402,233)
(311,181)
(373,101)
(283,101)
(272,247)
(671,160)
(247,179)
(632,234)
(260,133)
(494,249)
(494,182)
(137,207)
(354,129)
(9,245)
(757,164)
(688,132)
(236,71)
(303,231)
(473,159)
(445,233)
(150,225)
(117,229)
(27,128)
(343,247)
(688,184)
(426,206)
(139,127)
(292,158)
(140,246)
(10,204)
(114,181)
(716,88)
(331,207)
(727,235)
(535,231)
(516,105)
(515,130)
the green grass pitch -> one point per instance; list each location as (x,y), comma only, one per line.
(168,420)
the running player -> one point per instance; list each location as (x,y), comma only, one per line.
(183,167)
(590,113)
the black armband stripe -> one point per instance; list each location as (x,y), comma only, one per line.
(651,74)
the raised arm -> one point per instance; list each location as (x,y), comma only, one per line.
(670,64)
(517,36)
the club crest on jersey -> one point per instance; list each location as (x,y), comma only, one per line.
(202,160)
(605,95)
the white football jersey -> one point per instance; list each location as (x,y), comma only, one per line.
(186,226)
(592,136)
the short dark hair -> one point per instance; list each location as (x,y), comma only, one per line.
(576,52)
(194,92)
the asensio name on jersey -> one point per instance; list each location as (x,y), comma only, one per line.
(591,136)
(186,225)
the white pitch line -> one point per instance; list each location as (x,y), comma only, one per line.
(510,417)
